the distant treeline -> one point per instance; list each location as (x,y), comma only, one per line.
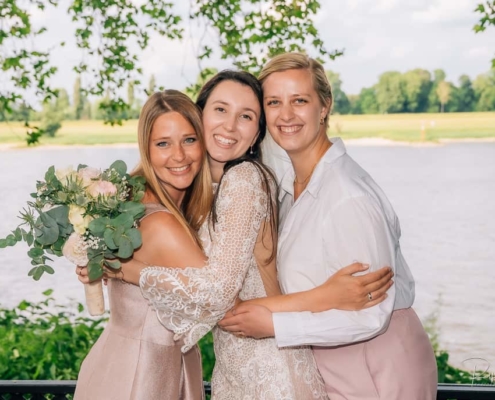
(415,91)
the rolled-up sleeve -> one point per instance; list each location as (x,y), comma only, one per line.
(354,230)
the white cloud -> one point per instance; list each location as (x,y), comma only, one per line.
(445,10)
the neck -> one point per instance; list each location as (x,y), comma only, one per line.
(305,160)
(175,195)
(216,169)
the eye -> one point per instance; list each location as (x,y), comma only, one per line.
(190,140)
(220,109)
(162,144)
(300,101)
(247,117)
(272,102)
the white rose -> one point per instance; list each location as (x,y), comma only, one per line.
(63,174)
(78,220)
(88,175)
(74,250)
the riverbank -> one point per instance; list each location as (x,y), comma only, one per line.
(389,129)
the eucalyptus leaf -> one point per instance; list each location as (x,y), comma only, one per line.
(95,271)
(98,225)
(125,220)
(48,269)
(35,252)
(117,235)
(135,236)
(47,292)
(108,238)
(38,273)
(125,248)
(18,234)
(133,208)
(49,231)
(119,166)
(115,264)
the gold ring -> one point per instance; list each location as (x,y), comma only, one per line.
(370,297)
(80,271)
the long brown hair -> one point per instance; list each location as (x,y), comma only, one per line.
(253,154)
(198,199)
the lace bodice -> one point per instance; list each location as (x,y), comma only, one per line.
(191,301)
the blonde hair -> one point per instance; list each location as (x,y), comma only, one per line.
(198,199)
(287,61)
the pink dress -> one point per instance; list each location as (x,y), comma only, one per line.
(136,358)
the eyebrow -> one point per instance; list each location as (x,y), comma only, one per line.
(227,104)
(168,137)
(292,95)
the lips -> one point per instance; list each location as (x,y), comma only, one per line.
(224,141)
(179,170)
(289,129)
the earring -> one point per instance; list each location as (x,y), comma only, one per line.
(251,152)
(322,121)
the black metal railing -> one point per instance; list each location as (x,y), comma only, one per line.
(63,390)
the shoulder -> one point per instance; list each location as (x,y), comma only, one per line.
(167,242)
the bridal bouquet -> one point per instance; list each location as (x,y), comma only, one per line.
(87,215)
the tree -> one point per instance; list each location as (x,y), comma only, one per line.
(341,103)
(444,90)
(151,85)
(484,87)
(54,112)
(193,90)
(366,102)
(417,85)
(130,94)
(390,94)
(78,99)
(433,101)
(111,36)
(487,11)
(465,97)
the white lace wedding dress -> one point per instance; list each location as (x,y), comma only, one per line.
(191,301)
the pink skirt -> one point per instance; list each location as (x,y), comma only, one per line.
(396,365)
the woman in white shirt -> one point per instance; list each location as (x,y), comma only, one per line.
(331,213)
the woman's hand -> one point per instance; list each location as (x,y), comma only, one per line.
(82,274)
(249,320)
(344,291)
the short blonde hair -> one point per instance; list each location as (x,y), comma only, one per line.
(287,61)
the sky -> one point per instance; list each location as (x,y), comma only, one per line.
(377,35)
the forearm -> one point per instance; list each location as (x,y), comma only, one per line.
(314,300)
(131,271)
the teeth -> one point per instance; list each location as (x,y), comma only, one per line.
(179,169)
(289,129)
(224,140)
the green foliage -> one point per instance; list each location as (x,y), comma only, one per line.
(390,94)
(487,11)
(341,103)
(251,31)
(43,341)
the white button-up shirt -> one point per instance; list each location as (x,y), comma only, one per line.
(341,217)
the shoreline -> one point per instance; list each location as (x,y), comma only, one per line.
(367,141)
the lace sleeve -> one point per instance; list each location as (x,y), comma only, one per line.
(191,301)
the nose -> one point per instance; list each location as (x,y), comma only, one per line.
(230,123)
(286,112)
(179,154)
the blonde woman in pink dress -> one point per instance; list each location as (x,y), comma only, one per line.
(332,212)
(135,358)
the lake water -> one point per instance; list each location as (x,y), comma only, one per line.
(443,195)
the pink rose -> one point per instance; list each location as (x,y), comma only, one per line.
(104,188)
(75,250)
(88,175)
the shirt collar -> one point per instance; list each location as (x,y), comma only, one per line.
(335,151)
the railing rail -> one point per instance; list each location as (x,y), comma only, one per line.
(16,389)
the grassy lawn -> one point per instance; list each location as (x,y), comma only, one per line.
(400,127)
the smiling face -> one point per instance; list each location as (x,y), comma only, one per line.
(293,110)
(230,119)
(175,153)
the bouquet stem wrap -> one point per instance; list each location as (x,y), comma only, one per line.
(94,297)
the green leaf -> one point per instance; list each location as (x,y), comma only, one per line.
(119,166)
(124,220)
(48,269)
(29,238)
(18,234)
(48,232)
(98,225)
(125,248)
(108,238)
(117,235)
(135,236)
(133,208)
(115,264)
(95,271)
(50,174)
(3,243)
(60,214)
(38,273)
(47,292)
(35,252)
